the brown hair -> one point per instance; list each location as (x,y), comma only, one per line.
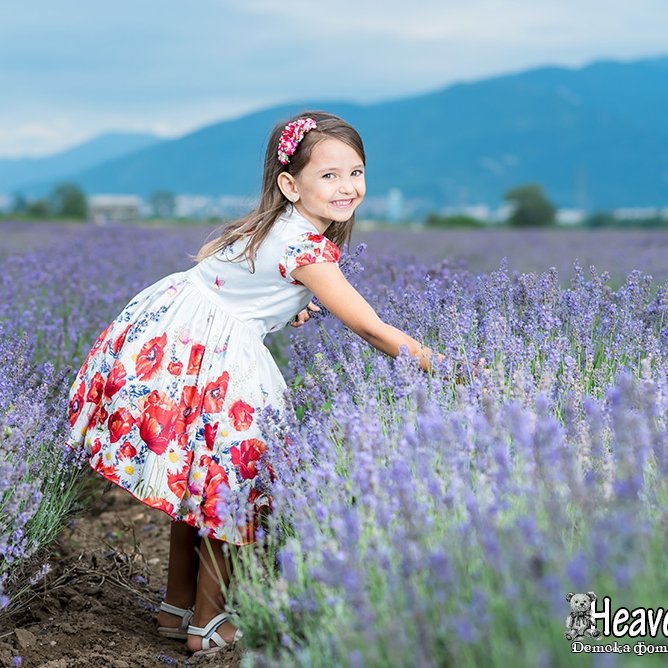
(272,201)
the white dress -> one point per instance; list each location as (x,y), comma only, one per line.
(166,401)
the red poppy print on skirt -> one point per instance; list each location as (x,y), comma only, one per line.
(150,357)
(241,415)
(214,394)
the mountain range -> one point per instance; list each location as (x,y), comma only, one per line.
(22,172)
(594,137)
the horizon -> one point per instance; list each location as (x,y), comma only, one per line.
(182,68)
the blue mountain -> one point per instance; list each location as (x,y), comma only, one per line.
(594,137)
(16,172)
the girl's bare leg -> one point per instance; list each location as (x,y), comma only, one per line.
(182,572)
(215,568)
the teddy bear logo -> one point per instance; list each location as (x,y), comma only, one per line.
(580,621)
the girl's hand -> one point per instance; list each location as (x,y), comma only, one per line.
(463,374)
(462,377)
(478,366)
(303,316)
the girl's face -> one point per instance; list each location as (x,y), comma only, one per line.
(331,186)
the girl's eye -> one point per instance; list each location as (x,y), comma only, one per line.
(326,176)
(358,172)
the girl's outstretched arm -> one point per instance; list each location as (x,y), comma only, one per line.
(327,282)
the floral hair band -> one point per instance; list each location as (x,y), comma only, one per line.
(291,136)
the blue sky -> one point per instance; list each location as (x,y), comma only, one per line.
(72,69)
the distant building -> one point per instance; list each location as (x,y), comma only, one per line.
(479,211)
(195,206)
(501,213)
(636,213)
(205,206)
(570,216)
(103,209)
(236,206)
(373,206)
(395,205)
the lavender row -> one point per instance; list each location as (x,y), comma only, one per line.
(427,523)
(427,535)
(39,481)
(533,333)
(618,251)
(59,292)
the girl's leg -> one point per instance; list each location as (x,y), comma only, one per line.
(182,571)
(215,569)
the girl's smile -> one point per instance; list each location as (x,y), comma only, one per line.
(343,203)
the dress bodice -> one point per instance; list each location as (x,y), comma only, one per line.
(269,298)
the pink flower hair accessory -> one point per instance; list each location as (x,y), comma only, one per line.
(291,136)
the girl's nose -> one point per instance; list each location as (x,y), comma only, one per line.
(346,186)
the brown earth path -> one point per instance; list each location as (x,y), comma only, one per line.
(97,605)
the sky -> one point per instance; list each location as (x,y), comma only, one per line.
(74,69)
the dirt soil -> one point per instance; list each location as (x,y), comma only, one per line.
(97,605)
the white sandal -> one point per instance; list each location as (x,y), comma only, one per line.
(208,633)
(176,632)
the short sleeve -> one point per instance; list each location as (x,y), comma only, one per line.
(307,248)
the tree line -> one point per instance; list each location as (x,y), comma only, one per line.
(529,207)
(66,200)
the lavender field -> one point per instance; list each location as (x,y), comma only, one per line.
(417,522)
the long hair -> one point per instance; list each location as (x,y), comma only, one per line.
(258,222)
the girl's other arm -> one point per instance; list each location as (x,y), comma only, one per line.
(327,282)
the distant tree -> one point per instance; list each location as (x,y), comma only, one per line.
(434,220)
(38,208)
(69,201)
(608,219)
(163,203)
(531,206)
(600,219)
(19,204)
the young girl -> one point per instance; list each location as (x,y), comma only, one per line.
(166,401)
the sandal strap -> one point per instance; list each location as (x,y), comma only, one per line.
(173,610)
(210,628)
(206,642)
(219,640)
(208,633)
(186,614)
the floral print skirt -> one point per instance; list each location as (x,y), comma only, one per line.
(166,403)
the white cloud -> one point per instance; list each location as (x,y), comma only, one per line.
(21,139)
(501,21)
(26,138)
